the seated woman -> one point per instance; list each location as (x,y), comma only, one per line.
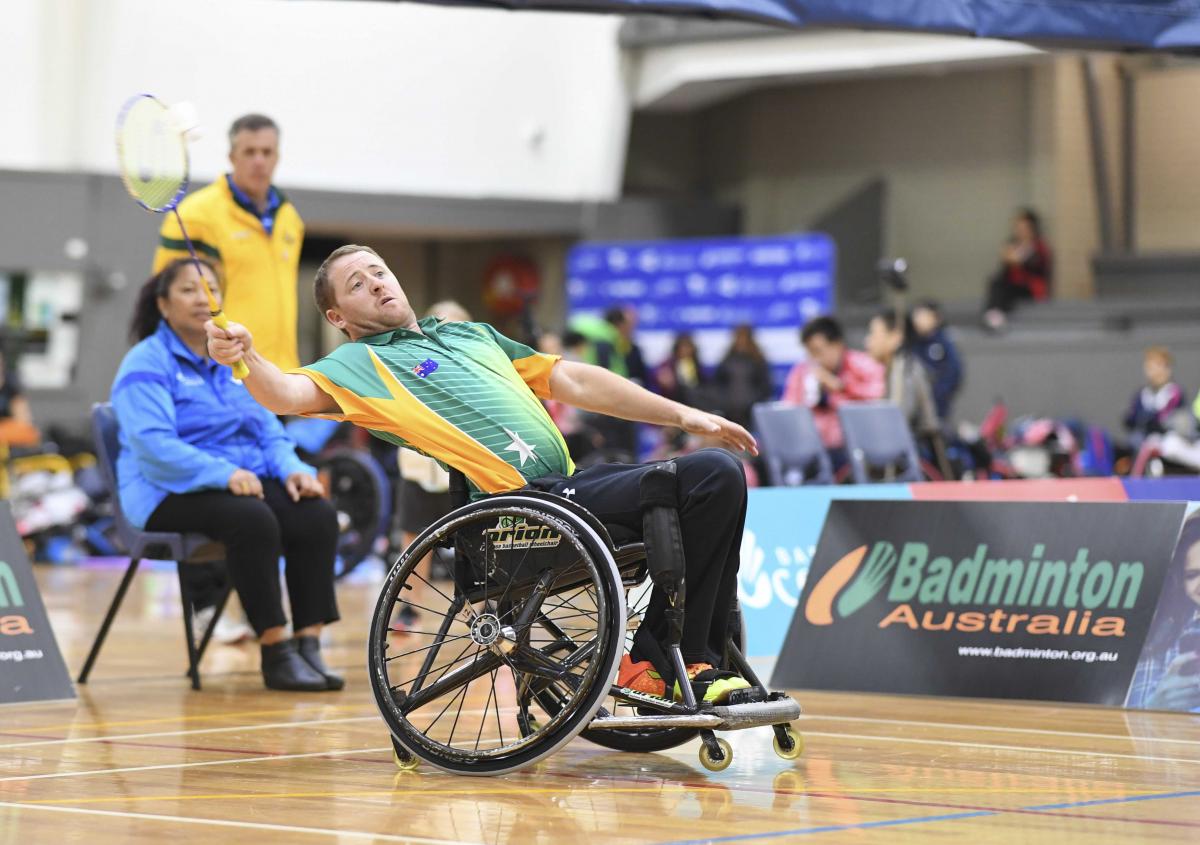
(198,454)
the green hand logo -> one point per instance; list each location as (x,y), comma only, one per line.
(871,579)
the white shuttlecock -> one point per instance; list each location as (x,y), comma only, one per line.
(187,119)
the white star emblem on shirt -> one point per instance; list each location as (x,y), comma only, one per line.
(519,446)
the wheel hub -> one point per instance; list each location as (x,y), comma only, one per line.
(485,629)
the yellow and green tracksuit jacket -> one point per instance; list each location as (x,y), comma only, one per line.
(258,270)
(461,393)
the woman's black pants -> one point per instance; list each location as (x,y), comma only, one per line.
(255,533)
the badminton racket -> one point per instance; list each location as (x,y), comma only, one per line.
(152,152)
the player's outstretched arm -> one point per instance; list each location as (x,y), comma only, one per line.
(277,391)
(596,389)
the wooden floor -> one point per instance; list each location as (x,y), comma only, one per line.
(142,758)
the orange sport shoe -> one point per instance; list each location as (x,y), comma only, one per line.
(715,684)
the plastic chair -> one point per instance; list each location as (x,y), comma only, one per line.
(139,544)
(878,437)
(791,447)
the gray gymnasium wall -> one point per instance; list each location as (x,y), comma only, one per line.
(449,241)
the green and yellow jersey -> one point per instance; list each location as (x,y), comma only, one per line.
(461,393)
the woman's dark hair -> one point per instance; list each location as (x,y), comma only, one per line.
(677,346)
(146,315)
(826,327)
(1031,217)
(888,316)
(1175,608)
(745,332)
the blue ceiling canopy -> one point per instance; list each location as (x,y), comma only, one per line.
(1166,25)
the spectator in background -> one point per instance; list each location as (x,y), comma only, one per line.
(624,320)
(831,376)
(198,454)
(932,344)
(681,377)
(247,227)
(1154,403)
(743,377)
(907,379)
(1024,273)
(16,420)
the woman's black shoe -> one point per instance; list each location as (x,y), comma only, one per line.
(283,668)
(310,650)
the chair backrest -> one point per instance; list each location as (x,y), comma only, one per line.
(108,447)
(878,436)
(791,445)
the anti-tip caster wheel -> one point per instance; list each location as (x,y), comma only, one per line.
(404,761)
(788,744)
(716,764)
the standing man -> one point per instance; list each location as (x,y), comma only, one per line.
(247,227)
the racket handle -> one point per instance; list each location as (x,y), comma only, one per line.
(240,370)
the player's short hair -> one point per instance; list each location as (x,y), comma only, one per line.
(251,123)
(322,287)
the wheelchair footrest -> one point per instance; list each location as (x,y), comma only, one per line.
(775,709)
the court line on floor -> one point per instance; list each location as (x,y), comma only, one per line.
(1038,809)
(130,769)
(1041,731)
(465,791)
(185,719)
(194,732)
(995,747)
(274,828)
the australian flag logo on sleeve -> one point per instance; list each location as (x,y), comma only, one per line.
(423,369)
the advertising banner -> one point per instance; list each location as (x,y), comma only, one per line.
(31,666)
(783,525)
(1047,601)
(706,286)
(1168,671)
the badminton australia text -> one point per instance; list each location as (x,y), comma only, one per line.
(982,592)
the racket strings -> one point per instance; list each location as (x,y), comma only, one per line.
(152,152)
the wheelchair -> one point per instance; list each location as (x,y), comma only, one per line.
(517,653)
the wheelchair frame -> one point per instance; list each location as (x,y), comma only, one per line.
(572,690)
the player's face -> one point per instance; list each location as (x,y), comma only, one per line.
(369,298)
(254,155)
(185,306)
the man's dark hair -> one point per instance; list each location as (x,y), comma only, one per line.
(322,287)
(616,316)
(251,123)
(826,327)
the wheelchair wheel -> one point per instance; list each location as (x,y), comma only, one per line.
(651,739)
(359,491)
(509,658)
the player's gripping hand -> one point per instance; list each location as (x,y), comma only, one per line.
(230,344)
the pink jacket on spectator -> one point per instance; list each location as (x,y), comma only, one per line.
(862,378)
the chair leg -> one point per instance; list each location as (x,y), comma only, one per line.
(193,670)
(212,624)
(108,619)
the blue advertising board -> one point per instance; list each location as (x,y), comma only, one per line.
(706,287)
(783,525)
